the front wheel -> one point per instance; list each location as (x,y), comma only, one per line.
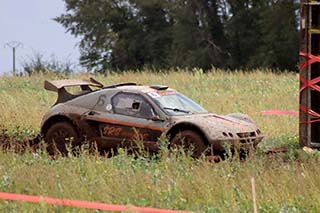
(190,141)
(60,137)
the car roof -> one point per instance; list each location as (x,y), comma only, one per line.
(63,95)
(145,88)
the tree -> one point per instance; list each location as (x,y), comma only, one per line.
(118,34)
(97,22)
(280,40)
(132,34)
(243,30)
(198,37)
(157,31)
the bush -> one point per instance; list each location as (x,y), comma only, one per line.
(37,64)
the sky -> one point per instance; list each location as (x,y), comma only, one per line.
(30,23)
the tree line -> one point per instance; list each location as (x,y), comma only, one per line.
(160,34)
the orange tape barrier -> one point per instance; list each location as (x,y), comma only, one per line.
(83,204)
(313,83)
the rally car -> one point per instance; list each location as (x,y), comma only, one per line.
(121,115)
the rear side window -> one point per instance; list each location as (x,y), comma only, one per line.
(132,105)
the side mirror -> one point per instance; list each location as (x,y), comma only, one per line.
(156,118)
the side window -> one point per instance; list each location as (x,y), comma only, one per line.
(132,105)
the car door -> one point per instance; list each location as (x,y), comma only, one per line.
(131,120)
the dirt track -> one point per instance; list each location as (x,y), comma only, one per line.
(12,143)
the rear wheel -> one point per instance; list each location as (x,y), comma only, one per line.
(60,137)
(190,141)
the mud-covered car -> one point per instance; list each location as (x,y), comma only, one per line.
(123,114)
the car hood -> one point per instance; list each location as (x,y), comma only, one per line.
(213,124)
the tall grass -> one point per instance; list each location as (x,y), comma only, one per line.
(179,183)
(284,183)
(23,101)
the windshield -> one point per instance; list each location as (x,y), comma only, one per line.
(175,103)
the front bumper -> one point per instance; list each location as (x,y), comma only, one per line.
(239,143)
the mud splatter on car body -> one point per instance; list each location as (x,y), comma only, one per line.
(120,115)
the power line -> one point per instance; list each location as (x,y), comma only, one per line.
(14,45)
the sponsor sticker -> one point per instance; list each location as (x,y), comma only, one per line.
(154,95)
(109,107)
(160,93)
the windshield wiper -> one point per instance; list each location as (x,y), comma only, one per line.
(177,110)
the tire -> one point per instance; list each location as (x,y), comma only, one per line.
(60,136)
(189,139)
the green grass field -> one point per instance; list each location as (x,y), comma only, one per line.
(286,182)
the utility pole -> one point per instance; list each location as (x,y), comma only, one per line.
(14,45)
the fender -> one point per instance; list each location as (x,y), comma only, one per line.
(175,128)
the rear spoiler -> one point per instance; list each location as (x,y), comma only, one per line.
(63,95)
(55,86)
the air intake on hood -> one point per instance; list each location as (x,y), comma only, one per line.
(246,134)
